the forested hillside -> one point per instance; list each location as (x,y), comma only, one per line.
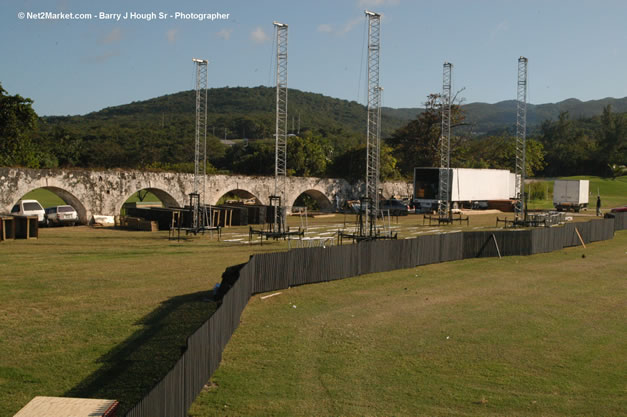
(326,135)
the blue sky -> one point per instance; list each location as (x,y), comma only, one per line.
(576,48)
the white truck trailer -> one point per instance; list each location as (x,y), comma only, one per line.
(570,194)
(468,186)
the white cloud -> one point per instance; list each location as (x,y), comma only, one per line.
(501,27)
(114,36)
(325,27)
(258,35)
(370,3)
(351,24)
(172,35)
(225,34)
(341,29)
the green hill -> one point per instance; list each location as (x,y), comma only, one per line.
(243,111)
(494,118)
(249,113)
(159,133)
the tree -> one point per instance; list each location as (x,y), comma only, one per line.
(570,148)
(498,152)
(18,122)
(417,143)
(256,158)
(612,141)
(351,165)
(308,156)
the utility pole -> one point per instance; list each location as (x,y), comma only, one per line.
(373,130)
(444,206)
(521,138)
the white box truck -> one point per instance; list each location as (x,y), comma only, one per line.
(468,186)
(570,194)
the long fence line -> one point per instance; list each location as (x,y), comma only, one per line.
(175,393)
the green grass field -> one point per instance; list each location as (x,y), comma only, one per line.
(104,313)
(101,313)
(613,192)
(523,336)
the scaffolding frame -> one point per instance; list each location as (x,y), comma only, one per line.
(444,197)
(373,129)
(201,134)
(278,228)
(200,213)
(281,124)
(368,213)
(521,138)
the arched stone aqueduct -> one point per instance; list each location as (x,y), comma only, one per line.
(104,192)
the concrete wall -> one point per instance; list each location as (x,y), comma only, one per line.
(105,191)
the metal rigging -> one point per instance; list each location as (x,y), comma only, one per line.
(444,198)
(521,137)
(197,198)
(373,132)
(280,155)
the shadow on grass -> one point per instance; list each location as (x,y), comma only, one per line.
(134,367)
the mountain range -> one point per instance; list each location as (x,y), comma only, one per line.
(228,106)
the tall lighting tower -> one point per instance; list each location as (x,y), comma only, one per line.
(521,137)
(201,134)
(374,118)
(280,155)
(445,143)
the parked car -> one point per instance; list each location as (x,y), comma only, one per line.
(480,205)
(61,215)
(396,207)
(619,209)
(29,208)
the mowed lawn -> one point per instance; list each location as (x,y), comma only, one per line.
(542,335)
(101,313)
(613,192)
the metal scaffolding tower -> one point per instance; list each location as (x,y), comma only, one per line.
(521,137)
(201,133)
(369,204)
(280,155)
(444,205)
(379,104)
(373,132)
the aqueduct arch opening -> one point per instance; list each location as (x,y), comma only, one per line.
(313,200)
(237,195)
(67,197)
(164,197)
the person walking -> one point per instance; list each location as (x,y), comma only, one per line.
(598,205)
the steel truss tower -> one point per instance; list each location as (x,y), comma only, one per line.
(521,137)
(201,134)
(280,155)
(444,197)
(373,131)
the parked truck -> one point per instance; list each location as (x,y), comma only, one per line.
(467,186)
(570,194)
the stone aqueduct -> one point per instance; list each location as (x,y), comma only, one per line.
(104,192)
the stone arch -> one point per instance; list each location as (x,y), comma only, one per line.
(166,198)
(69,198)
(323,201)
(239,192)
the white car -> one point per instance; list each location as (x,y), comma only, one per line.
(29,208)
(61,215)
